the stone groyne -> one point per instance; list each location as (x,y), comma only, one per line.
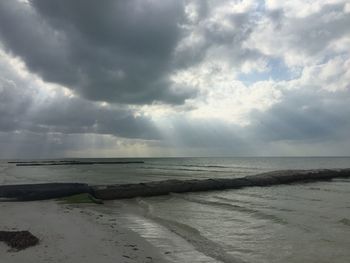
(120,191)
(43,163)
(182,186)
(29,192)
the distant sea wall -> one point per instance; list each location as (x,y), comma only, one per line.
(119,191)
(65,162)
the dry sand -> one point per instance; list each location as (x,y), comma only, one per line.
(71,234)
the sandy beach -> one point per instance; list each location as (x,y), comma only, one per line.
(70,233)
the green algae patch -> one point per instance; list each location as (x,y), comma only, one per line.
(84,198)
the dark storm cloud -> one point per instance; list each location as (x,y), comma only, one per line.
(122,51)
(14,101)
(126,53)
(306,121)
(116,51)
(26,144)
(308,114)
(21,109)
(66,117)
(11,109)
(209,137)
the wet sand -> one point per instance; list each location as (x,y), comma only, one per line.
(71,233)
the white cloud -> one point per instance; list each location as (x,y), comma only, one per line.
(233,102)
(334,75)
(301,40)
(223,96)
(300,8)
(347,8)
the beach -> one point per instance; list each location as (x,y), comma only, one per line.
(174,131)
(304,222)
(71,233)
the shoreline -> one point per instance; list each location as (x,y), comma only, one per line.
(245,224)
(72,233)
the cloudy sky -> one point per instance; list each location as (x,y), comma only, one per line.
(114,78)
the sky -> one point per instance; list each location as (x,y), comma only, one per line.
(165,78)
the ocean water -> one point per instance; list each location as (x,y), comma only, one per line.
(286,223)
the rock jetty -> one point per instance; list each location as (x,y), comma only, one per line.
(119,191)
(29,192)
(42,163)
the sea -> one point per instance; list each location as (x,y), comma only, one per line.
(283,223)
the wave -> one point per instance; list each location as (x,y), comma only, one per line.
(256,213)
(192,235)
(263,206)
(211,166)
(187,169)
(323,189)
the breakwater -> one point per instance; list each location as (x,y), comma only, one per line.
(120,191)
(43,163)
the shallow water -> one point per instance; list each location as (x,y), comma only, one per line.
(287,223)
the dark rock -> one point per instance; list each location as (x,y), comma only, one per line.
(18,239)
(120,191)
(29,192)
(42,163)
